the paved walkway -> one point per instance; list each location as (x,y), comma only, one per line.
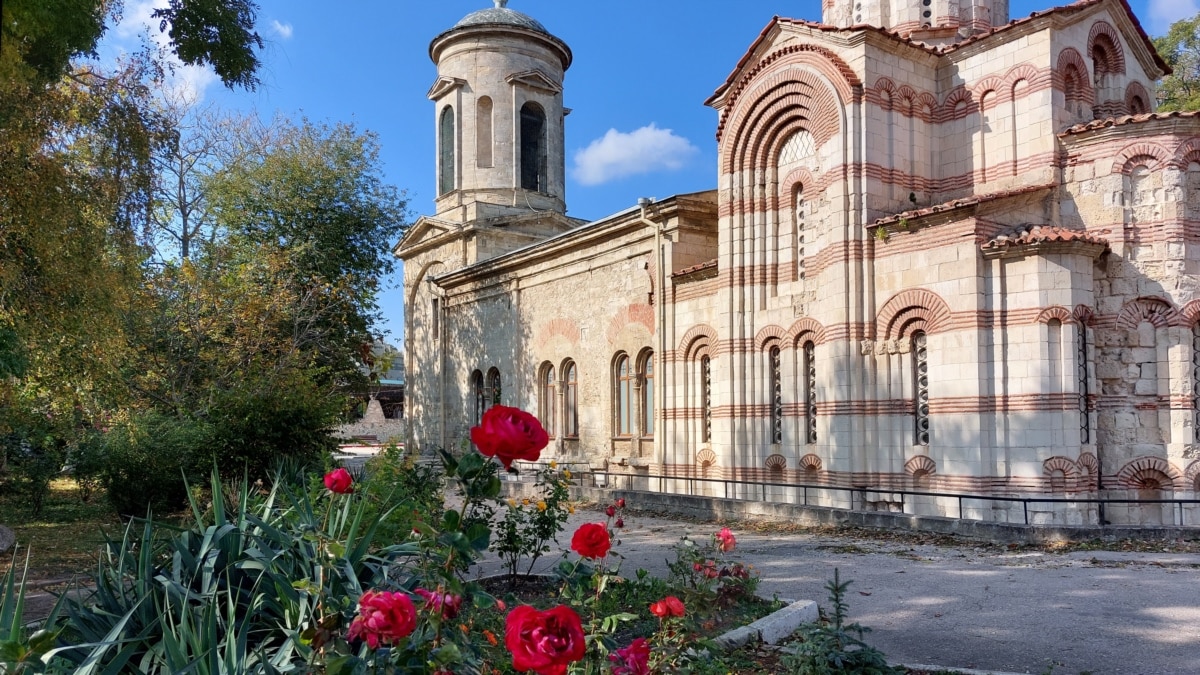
(1105,613)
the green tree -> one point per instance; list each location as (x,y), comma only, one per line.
(1180,48)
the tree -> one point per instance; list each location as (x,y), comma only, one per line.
(1180,48)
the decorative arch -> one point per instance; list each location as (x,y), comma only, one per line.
(958,95)
(909,310)
(1084,315)
(921,465)
(824,61)
(1190,313)
(698,339)
(806,328)
(1192,475)
(1186,153)
(1071,75)
(1104,36)
(775,463)
(810,462)
(1056,312)
(1152,155)
(1145,472)
(768,334)
(1021,71)
(1137,99)
(1060,472)
(1089,465)
(706,458)
(1157,311)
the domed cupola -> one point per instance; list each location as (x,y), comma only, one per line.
(933,20)
(499,116)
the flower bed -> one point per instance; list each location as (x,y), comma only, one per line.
(351,574)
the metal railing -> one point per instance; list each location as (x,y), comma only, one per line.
(752,489)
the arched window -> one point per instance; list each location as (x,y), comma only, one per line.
(546,398)
(1192,194)
(624,380)
(533,148)
(647,381)
(705,399)
(920,360)
(483,132)
(986,130)
(810,393)
(1141,195)
(1054,354)
(571,400)
(775,393)
(478,398)
(493,387)
(446,151)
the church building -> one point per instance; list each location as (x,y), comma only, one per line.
(946,252)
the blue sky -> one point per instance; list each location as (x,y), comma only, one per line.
(642,70)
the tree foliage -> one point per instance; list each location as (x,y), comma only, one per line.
(1180,48)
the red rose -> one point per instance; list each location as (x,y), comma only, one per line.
(508,434)
(383,618)
(339,481)
(621,503)
(544,642)
(447,604)
(620,523)
(726,542)
(632,660)
(610,511)
(668,606)
(591,540)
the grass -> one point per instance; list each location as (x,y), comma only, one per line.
(65,538)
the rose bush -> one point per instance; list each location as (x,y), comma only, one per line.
(509,434)
(668,607)
(631,660)
(339,481)
(591,540)
(544,642)
(725,540)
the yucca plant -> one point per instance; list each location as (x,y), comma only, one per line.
(23,649)
(256,585)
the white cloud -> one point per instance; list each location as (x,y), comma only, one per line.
(1163,13)
(283,30)
(618,154)
(182,82)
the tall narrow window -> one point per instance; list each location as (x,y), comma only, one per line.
(920,358)
(483,132)
(1196,380)
(1085,420)
(810,393)
(533,148)
(648,394)
(705,399)
(798,233)
(435,319)
(571,402)
(624,399)
(446,151)
(1054,355)
(478,398)
(546,398)
(775,386)
(493,387)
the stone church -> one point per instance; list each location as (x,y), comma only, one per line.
(946,252)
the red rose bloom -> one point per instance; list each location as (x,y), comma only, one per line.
(726,542)
(621,503)
(544,642)
(339,481)
(668,606)
(632,660)
(383,618)
(509,434)
(591,540)
(447,604)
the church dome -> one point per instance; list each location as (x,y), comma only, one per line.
(503,16)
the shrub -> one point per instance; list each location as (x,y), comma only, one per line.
(830,649)
(146,459)
(406,491)
(529,525)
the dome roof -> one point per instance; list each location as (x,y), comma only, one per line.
(503,16)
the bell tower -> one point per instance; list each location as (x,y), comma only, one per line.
(936,20)
(498,106)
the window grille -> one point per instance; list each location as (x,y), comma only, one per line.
(920,389)
(776,383)
(810,393)
(705,399)
(1085,420)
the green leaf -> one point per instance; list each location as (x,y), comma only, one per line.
(451,520)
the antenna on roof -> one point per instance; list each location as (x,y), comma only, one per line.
(500,4)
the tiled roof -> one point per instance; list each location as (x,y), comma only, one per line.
(1037,234)
(1129,119)
(962,203)
(695,268)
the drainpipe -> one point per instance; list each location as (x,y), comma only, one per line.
(660,350)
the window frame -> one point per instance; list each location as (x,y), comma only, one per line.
(624,414)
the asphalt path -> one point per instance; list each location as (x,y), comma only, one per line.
(959,604)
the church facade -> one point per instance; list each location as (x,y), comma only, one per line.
(947,252)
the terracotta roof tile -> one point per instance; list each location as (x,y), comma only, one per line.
(961,203)
(1129,119)
(1038,234)
(695,268)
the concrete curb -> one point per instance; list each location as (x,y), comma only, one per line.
(957,671)
(772,628)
